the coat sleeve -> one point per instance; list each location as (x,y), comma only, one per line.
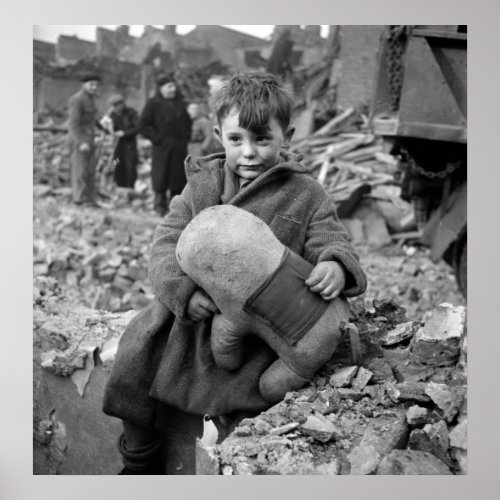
(75,120)
(132,128)
(172,287)
(327,239)
(147,125)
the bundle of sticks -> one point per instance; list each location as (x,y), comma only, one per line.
(343,161)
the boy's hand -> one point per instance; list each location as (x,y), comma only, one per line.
(327,279)
(200,306)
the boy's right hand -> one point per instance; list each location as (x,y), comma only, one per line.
(200,306)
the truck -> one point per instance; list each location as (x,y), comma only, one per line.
(419,107)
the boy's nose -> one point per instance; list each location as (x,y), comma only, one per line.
(248,150)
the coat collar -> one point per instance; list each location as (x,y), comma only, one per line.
(206,178)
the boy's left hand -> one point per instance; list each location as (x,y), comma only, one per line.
(328,279)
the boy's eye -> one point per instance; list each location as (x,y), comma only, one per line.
(262,138)
(233,138)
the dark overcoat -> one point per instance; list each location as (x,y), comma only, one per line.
(163,355)
(167,124)
(126,156)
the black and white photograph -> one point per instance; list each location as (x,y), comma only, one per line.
(185,179)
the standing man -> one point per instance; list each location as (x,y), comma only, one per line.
(125,122)
(81,122)
(166,123)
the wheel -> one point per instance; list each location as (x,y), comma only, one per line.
(460,267)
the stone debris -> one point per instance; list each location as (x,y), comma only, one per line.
(284,429)
(319,429)
(458,436)
(449,399)
(412,462)
(388,308)
(243,431)
(400,333)
(262,427)
(458,444)
(381,371)
(364,460)
(343,377)
(433,438)
(408,391)
(351,394)
(439,341)
(362,379)
(416,415)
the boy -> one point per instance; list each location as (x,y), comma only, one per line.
(165,354)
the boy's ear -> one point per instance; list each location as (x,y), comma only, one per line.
(218,133)
(289,134)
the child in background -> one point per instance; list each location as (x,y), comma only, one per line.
(164,356)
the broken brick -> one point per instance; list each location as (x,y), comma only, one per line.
(319,429)
(458,436)
(439,341)
(381,371)
(408,391)
(382,435)
(433,438)
(392,311)
(343,377)
(416,415)
(362,379)
(398,334)
(448,399)
(412,462)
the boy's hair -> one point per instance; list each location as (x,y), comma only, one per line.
(258,97)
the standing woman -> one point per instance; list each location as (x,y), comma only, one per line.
(125,155)
(166,123)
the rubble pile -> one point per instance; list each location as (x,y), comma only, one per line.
(51,170)
(51,161)
(101,258)
(407,275)
(403,410)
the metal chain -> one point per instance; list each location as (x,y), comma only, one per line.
(396,41)
(442,174)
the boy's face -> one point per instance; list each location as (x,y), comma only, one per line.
(248,154)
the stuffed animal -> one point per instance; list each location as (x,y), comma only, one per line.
(258,286)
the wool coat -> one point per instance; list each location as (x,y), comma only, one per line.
(167,124)
(125,155)
(163,355)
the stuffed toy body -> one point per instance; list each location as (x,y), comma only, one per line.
(258,286)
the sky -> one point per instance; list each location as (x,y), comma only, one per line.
(49,33)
